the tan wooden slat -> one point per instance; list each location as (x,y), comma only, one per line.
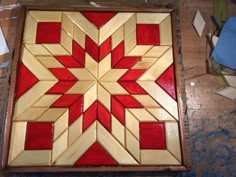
(30,29)
(46,16)
(75,130)
(151,18)
(37,49)
(118,130)
(61,125)
(132,144)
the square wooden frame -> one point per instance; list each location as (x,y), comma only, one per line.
(10,105)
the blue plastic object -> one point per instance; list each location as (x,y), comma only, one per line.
(225,51)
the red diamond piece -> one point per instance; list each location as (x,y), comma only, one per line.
(90,115)
(68,61)
(104,116)
(61,87)
(63,74)
(78,53)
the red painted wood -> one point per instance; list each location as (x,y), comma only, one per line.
(78,53)
(63,74)
(152,135)
(117,54)
(48,32)
(105,48)
(76,110)
(167,81)
(90,115)
(65,101)
(128,101)
(25,80)
(61,87)
(99,18)
(39,136)
(68,61)
(118,110)
(92,48)
(95,155)
(127,62)
(148,34)
(104,116)
(132,87)
(132,75)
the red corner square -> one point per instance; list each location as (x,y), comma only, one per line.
(148,34)
(152,135)
(39,136)
(48,32)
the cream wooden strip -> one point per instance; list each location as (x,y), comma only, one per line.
(132,144)
(46,16)
(147,101)
(161,97)
(159,67)
(33,158)
(114,24)
(130,42)
(104,66)
(50,62)
(80,87)
(130,25)
(51,115)
(79,36)
(66,41)
(117,37)
(158,157)
(113,75)
(173,139)
(139,50)
(56,49)
(46,100)
(17,143)
(151,18)
(132,124)
(32,95)
(157,51)
(90,96)
(31,114)
(82,74)
(114,88)
(84,25)
(30,29)
(104,97)
(36,67)
(118,130)
(142,115)
(75,130)
(67,25)
(37,49)
(91,65)
(61,125)
(160,114)
(165,32)
(113,147)
(144,63)
(79,147)
(59,146)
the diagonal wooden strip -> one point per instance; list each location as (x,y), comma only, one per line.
(52,114)
(104,66)
(90,96)
(104,97)
(33,158)
(144,63)
(56,49)
(158,157)
(132,144)
(173,139)
(36,67)
(91,65)
(151,18)
(66,41)
(84,25)
(159,66)
(147,101)
(17,143)
(113,147)
(46,16)
(80,87)
(117,37)
(30,29)
(114,88)
(142,115)
(130,42)
(82,74)
(132,124)
(79,36)
(46,100)
(160,114)
(67,25)
(50,62)
(161,97)
(31,114)
(157,51)
(165,32)
(118,130)
(111,26)
(59,146)
(139,50)
(79,147)
(130,25)
(32,95)
(75,130)
(60,125)
(113,75)
(37,49)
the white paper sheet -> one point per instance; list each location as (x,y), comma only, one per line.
(3,45)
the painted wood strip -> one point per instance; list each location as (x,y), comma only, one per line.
(114,88)
(117,37)
(160,114)
(31,114)
(151,18)
(46,100)
(79,36)
(144,63)
(118,130)
(61,125)
(30,30)
(139,50)
(166,32)
(90,96)
(130,42)
(104,66)
(80,87)
(132,144)
(147,101)
(51,115)
(46,16)
(50,62)
(82,74)
(66,41)
(142,115)
(104,97)
(56,49)
(130,25)
(91,65)
(132,124)
(37,49)
(67,25)
(75,130)
(157,51)
(113,75)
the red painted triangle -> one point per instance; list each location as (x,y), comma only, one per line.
(95,155)
(99,18)
(167,81)
(25,80)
